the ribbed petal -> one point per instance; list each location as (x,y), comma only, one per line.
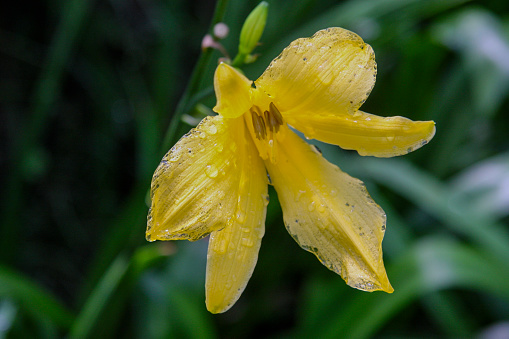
(331,72)
(233,251)
(195,189)
(330,214)
(366,133)
(232,91)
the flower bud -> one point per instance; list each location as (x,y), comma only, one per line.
(221,30)
(253,28)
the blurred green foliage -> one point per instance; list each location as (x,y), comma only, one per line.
(92,93)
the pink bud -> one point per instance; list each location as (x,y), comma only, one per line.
(221,30)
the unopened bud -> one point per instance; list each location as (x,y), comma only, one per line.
(221,30)
(208,42)
(253,28)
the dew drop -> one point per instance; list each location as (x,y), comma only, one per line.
(221,247)
(309,132)
(311,206)
(202,136)
(390,138)
(265,199)
(299,195)
(219,147)
(321,208)
(211,129)
(174,157)
(333,193)
(247,242)
(211,171)
(241,216)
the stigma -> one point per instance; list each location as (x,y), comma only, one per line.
(266,123)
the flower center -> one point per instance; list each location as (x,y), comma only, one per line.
(266,123)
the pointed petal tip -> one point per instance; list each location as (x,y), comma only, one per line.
(432,129)
(389,289)
(232,91)
(216,306)
(381,284)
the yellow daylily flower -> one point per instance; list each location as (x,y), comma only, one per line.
(214,180)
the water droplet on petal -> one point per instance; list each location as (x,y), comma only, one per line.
(211,129)
(211,171)
(333,193)
(174,157)
(299,195)
(266,199)
(241,216)
(247,242)
(311,206)
(321,208)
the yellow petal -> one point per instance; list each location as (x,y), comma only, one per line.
(232,91)
(233,251)
(366,133)
(195,189)
(333,71)
(330,214)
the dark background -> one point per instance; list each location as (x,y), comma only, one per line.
(87,92)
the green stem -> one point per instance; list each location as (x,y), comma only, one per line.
(194,83)
(238,60)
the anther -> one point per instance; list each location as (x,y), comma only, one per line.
(275,113)
(258,123)
(268,119)
(264,128)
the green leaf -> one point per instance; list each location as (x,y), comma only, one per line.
(33,299)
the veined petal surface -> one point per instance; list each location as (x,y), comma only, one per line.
(233,251)
(333,71)
(330,214)
(366,133)
(232,91)
(195,189)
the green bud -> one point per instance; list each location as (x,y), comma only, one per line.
(253,28)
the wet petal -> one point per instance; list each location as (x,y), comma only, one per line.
(366,133)
(195,189)
(330,214)
(233,251)
(232,91)
(333,71)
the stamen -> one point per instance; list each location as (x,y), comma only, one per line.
(264,128)
(268,121)
(272,121)
(275,112)
(258,127)
(257,110)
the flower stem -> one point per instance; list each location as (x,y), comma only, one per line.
(194,83)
